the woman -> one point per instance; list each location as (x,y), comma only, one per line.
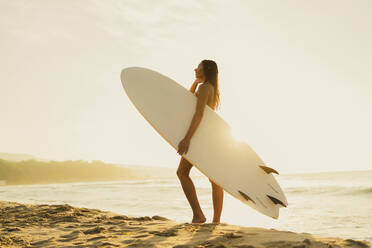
(208,93)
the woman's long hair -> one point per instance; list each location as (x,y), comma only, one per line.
(211,75)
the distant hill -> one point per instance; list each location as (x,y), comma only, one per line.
(16,157)
(152,171)
(38,172)
(19,168)
(27,169)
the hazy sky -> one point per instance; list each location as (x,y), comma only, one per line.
(295,77)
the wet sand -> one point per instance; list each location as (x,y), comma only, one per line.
(32,225)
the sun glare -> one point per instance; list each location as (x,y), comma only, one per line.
(237,134)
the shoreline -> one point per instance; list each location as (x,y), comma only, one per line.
(63,225)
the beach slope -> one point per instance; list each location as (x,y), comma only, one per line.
(32,225)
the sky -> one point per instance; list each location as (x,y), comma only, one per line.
(294,76)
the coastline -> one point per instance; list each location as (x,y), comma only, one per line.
(63,225)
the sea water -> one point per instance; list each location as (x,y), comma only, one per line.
(337,204)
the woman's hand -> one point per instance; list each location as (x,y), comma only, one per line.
(198,80)
(195,84)
(183,146)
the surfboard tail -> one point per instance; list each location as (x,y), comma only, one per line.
(268,170)
(246,196)
(276,201)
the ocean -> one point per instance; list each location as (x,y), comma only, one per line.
(335,204)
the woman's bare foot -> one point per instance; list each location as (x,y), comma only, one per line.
(198,219)
(216,221)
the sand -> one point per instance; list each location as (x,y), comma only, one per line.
(32,225)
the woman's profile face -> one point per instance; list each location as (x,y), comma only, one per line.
(199,71)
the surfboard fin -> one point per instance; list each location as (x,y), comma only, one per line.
(268,170)
(276,201)
(246,197)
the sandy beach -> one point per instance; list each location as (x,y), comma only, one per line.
(32,225)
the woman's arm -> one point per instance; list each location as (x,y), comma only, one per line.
(200,105)
(184,144)
(193,87)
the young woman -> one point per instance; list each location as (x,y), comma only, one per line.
(208,94)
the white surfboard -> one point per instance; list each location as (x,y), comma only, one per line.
(233,165)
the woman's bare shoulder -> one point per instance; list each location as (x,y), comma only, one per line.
(211,88)
(205,87)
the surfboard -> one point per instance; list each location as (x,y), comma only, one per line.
(233,165)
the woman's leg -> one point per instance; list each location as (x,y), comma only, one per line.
(217,195)
(188,187)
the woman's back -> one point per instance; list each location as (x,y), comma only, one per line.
(211,101)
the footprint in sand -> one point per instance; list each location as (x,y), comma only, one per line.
(108,244)
(356,243)
(88,225)
(13,229)
(72,234)
(94,230)
(120,217)
(142,236)
(67,240)
(97,238)
(157,217)
(231,235)
(44,242)
(70,226)
(110,222)
(166,233)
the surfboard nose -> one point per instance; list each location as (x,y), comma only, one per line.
(124,72)
(125,75)
(129,75)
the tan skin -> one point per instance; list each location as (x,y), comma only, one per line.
(205,97)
